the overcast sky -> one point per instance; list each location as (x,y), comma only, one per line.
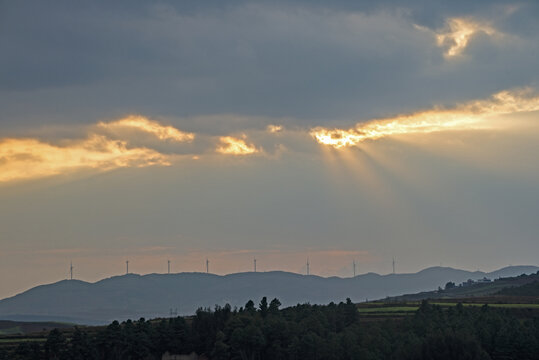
(281,130)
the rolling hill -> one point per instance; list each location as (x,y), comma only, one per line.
(523,286)
(134,296)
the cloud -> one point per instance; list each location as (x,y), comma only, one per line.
(143,124)
(117,144)
(107,146)
(24,159)
(458,32)
(274,128)
(184,61)
(233,146)
(465,116)
(31,158)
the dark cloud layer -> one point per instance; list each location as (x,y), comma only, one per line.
(313,62)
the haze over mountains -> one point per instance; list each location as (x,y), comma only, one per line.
(154,295)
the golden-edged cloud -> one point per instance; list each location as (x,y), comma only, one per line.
(23,159)
(140,123)
(230,145)
(465,116)
(458,32)
(104,146)
(274,128)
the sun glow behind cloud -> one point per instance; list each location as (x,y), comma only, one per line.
(106,146)
(458,32)
(22,159)
(274,128)
(471,115)
(102,147)
(151,127)
(230,145)
(117,144)
(455,36)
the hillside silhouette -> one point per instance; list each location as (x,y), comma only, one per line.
(154,295)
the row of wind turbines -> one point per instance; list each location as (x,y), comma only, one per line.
(307,267)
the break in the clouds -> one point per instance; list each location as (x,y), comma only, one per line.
(145,125)
(467,116)
(117,143)
(105,146)
(459,32)
(455,36)
(23,159)
(235,146)
(30,158)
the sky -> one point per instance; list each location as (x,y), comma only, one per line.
(286,131)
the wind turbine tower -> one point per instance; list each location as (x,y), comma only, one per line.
(254,261)
(354,265)
(126,267)
(393,265)
(168,262)
(207,266)
(71,270)
(308,265)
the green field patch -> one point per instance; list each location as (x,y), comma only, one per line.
(12,331)
(510,306)
(388,309)
(388,314)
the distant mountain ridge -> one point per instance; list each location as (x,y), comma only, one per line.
(153,295)
(524,287)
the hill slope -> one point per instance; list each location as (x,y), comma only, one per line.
(134,296)
(20,328)
(530,289)
(516,286)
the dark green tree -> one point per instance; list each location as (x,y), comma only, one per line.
(263,307)
(221,350)
(80,347)
(55,345)
(274,306)
(25,350)
(250,306)
(247,342)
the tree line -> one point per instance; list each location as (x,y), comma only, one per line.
(305,331)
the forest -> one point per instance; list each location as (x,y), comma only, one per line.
(333,331)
